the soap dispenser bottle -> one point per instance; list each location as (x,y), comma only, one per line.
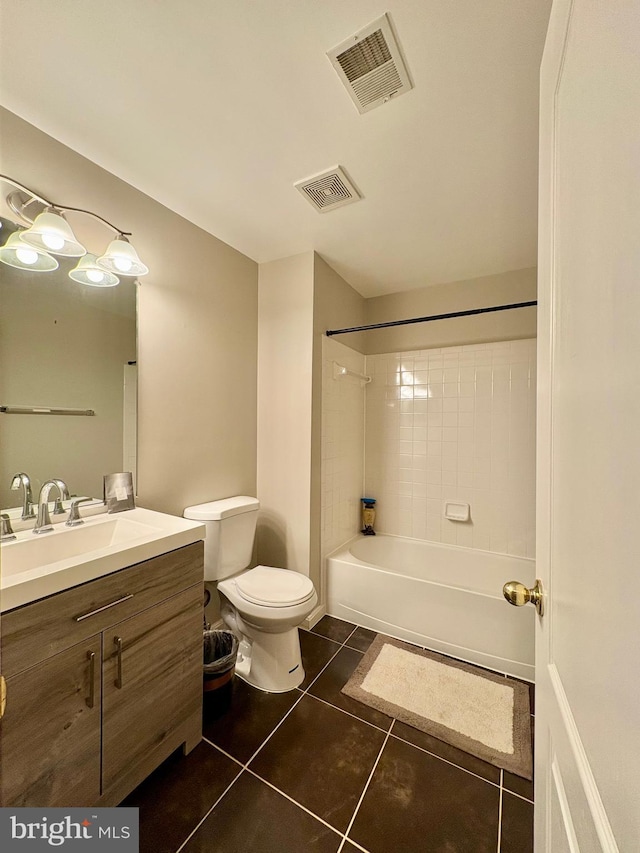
(368,516)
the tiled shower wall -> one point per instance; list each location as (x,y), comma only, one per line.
(441,424)
(454,424)
(342,445)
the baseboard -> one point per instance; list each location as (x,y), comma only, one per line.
(314,617)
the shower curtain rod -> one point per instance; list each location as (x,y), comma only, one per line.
(469,313)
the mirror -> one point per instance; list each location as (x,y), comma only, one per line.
(70,346)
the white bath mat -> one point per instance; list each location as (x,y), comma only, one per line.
(480,712)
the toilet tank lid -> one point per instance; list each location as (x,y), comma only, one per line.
(216,510)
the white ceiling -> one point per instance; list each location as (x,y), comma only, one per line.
(216,107)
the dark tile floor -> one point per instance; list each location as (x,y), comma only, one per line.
(313,770)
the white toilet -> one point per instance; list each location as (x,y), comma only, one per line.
(262,606)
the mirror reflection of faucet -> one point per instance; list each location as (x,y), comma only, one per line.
(27,498)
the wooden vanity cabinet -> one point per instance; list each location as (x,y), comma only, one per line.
(88,720)
(50,735)
(148,684)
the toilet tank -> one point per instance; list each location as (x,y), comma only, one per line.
(231,528)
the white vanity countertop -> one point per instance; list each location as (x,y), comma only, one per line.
(34,566)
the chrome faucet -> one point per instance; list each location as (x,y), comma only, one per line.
(6,531)
(43,523)
(27,502)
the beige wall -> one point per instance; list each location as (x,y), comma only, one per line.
(502,289)
(284,411)
(197,326)
(300,297)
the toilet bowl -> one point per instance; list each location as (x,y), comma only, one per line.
(263,606)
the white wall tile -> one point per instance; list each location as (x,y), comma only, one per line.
(473,440)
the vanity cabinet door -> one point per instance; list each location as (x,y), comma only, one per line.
(152,682)
(50,737)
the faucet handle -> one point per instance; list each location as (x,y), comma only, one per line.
(58,509)
(74,513)
(6,531)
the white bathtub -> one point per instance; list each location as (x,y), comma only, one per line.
(439,596)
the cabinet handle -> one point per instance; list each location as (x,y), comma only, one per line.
(91,657)
(118,644)
(104,607)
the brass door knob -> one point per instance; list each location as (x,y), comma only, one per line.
(518,594)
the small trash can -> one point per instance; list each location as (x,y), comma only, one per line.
(220,652)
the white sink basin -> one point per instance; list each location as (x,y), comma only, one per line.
(33,566)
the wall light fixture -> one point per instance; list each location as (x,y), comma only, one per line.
(16,253)
(50,234)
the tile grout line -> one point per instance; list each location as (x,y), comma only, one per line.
(446,761)
(355,628)
(500,811)
(519,796)
(268,738)
(366,787)
(354,844)
(295,802)
(348,713)
(246,767)
(220,749)
(341,644)
(197,827)
(311,683)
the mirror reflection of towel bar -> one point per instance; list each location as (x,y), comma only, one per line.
(44,410)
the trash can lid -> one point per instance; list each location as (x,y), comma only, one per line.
(274,587)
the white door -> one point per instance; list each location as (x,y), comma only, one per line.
(588,642)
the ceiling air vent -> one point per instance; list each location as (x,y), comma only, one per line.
(371,66)
(328,190)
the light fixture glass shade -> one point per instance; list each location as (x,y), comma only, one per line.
(17,253)
(88,272)
(51,231)
(122,259)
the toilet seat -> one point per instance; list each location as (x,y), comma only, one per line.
(271,587)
